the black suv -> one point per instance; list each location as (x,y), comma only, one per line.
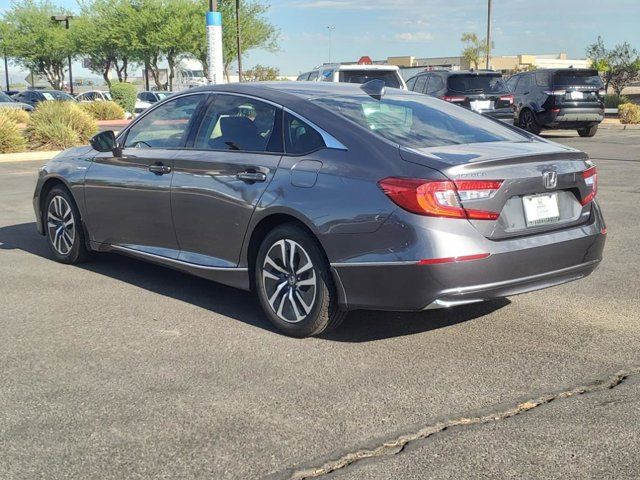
(33,97)
(569,98)
(483,91)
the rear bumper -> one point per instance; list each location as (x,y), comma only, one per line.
(574,117)
(513,267)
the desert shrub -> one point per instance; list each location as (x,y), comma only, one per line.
(103,110)
(612,100)
(629,113)
(16,114)
(11,138)
(124,94)
(62,125)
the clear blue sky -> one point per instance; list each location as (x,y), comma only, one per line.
(425,28)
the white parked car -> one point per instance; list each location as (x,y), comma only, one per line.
(147,99)
(94,96)
(355,73)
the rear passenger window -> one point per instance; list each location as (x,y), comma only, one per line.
(542,79)
(236,123)
(421,83)
(411,82)
(435,84)
(313,76)
(299,137)
(524,84)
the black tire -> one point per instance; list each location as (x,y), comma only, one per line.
(66,240)
(588,131)
(528,122)
(300,302)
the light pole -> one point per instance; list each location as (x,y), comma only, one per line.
(6,64)
(488,32)
(65,19)
(331,28)
(238,40)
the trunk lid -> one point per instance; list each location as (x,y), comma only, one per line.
(577,88)
(522,167)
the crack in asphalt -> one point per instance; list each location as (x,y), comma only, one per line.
(396,445)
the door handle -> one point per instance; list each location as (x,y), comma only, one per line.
(159,168)
(248,176)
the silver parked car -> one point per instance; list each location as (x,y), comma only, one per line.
(324,198)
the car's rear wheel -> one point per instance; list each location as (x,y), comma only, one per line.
(294,284)
(588,131)
(528,122)
(62,226)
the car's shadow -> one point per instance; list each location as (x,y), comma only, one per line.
(359,326)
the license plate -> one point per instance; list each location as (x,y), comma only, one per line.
(541,209)
(576,95)
(481,105)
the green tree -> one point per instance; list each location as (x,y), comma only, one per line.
(36,42)
(104,33)
(260,73)
(618,67)
(475,48)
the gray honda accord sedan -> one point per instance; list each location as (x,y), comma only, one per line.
(324,198)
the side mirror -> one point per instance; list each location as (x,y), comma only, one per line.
(104,141)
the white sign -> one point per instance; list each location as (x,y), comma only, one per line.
(214,47)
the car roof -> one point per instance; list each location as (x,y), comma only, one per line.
(280,91)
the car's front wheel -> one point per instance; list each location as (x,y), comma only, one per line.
(588,131)
(294,284)
(62,226)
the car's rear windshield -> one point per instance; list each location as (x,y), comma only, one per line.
(4,98)
(477,84)
(577,78)
(418,121)
(390,78)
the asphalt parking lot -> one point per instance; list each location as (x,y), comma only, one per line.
(121,369)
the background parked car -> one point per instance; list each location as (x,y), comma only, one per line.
(7,102)
(95,96)
(355,73)
(33,97)
(569,98)
(481,90)
(148,99)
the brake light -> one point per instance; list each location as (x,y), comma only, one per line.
(591,179)
(507,98)
(453,99)
(441,198)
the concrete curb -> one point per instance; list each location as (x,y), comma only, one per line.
(619,126)
(28,156)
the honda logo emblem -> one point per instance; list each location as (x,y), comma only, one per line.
(550,179)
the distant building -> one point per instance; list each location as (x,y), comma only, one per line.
(507,64)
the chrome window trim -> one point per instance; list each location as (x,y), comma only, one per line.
(329,140)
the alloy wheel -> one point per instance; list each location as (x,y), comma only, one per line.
(289,281)
(61,225)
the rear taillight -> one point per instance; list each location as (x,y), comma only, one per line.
(453,99)
(441,198)
(591,179)
(507,98)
